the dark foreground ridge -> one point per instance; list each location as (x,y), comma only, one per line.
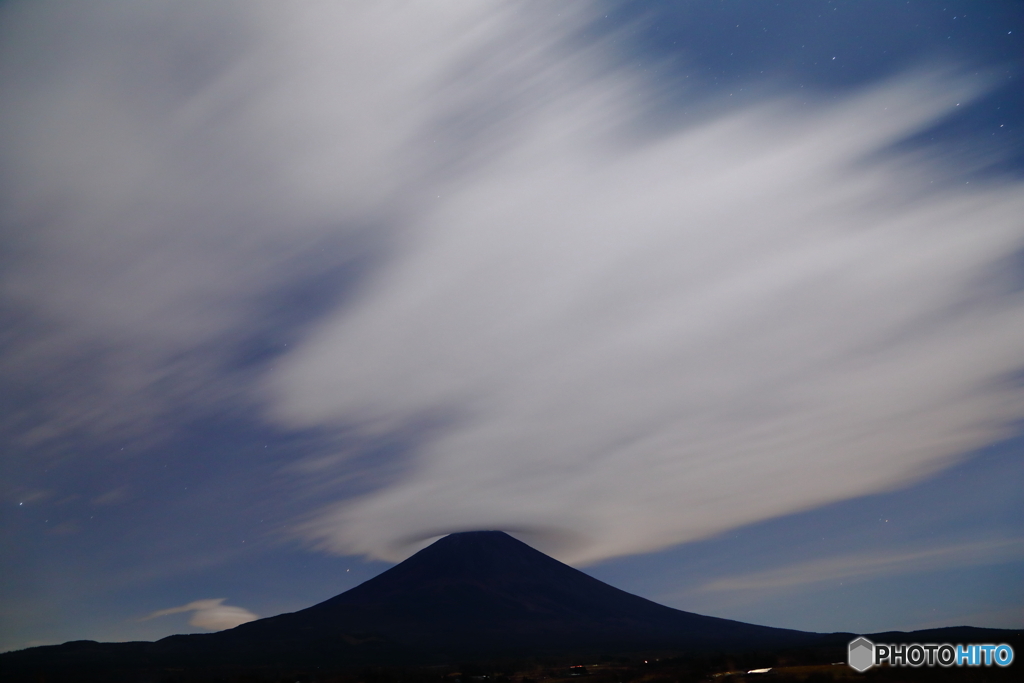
(470,596)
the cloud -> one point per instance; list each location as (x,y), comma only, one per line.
(210,614)
(633,346)
(160,196)
(621,339)
(866,566)
(114,496)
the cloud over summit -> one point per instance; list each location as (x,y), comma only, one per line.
(637,347)
(621,340)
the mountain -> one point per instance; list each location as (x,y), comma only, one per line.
(469,596)
(486,593)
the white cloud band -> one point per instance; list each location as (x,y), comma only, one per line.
(626,340)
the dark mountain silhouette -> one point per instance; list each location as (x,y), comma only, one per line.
(485,592)
(469,596)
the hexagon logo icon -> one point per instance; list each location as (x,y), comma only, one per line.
(861,654)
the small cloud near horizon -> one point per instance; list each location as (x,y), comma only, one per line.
(211,615)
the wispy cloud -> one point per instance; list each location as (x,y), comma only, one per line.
(160,195)
(871,565)
(209,614)
(620,339)
(639,345)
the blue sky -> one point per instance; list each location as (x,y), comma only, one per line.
(720,302)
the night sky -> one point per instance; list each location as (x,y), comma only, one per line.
(721,302)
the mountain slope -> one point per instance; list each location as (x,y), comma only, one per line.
(486,593)
(468,596)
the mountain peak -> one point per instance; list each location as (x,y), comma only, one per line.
(459,559)
(487,590)
(477,542)
(478,546)
(476,537)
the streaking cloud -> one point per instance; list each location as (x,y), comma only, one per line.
(861,567)
(635,346)
(612,339)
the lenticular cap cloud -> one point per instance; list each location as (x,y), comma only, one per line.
(636,345)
